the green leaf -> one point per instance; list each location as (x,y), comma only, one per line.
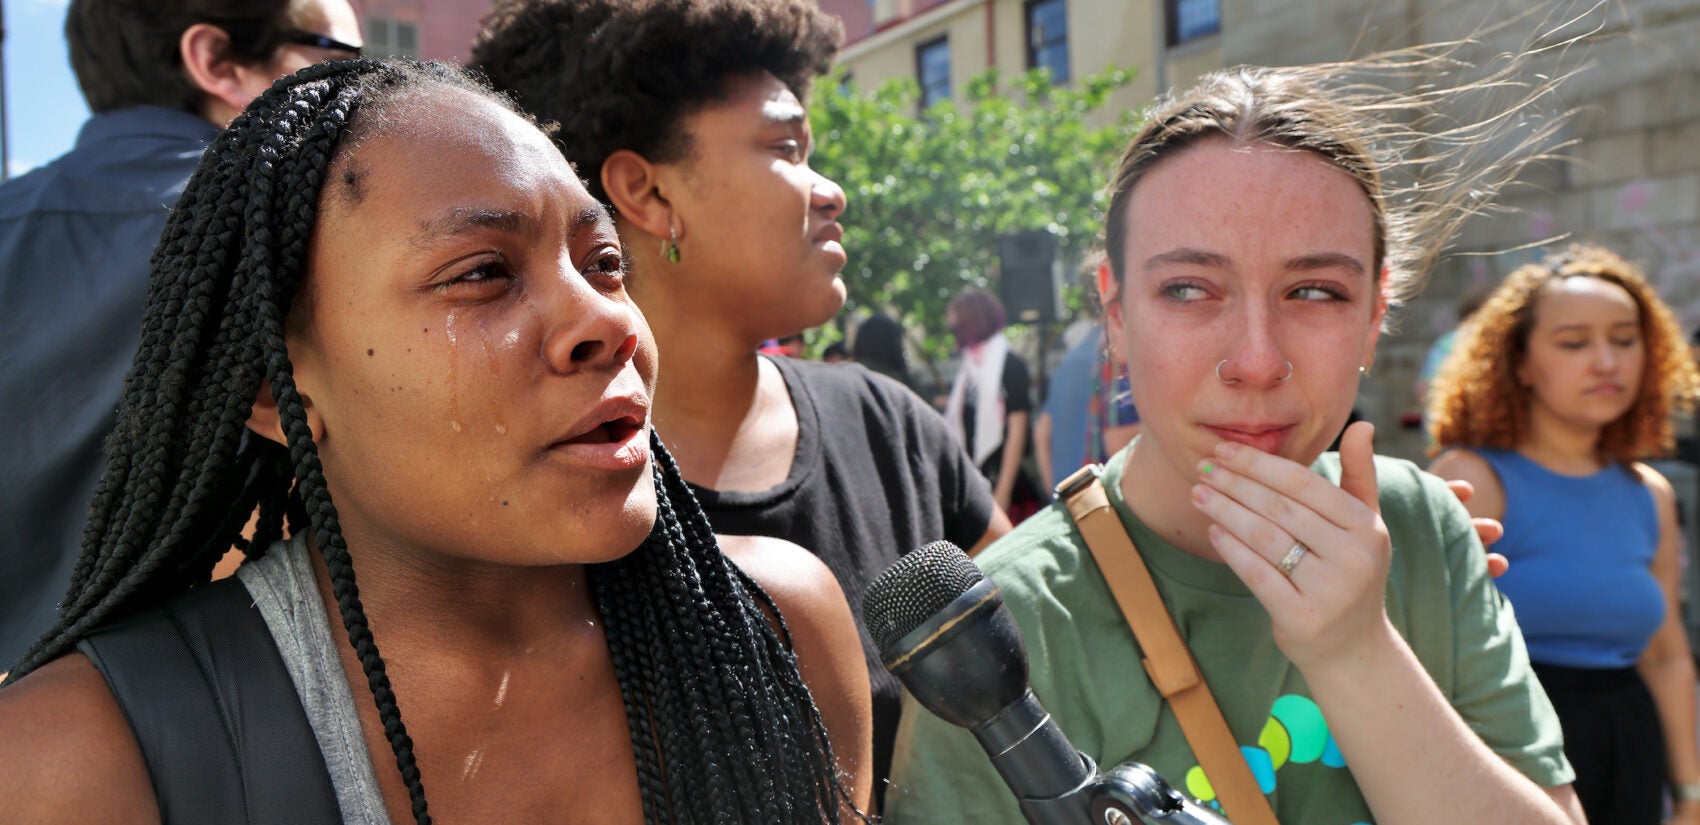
(929,193)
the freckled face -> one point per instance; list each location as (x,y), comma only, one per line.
(465,337)
(1255,256)
(1586,356)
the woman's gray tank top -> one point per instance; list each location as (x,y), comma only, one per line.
(281,583)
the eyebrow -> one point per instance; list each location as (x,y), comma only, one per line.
(1302,263)
(589,217)
(1187,256)
(1584,326)
(785,113)
(1326,260)
(465,220)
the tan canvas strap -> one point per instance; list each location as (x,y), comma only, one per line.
(1167,659)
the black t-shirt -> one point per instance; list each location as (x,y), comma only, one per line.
(876,475)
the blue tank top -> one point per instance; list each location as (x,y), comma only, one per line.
(1581,551)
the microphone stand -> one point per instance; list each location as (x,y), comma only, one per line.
(1132,793)
(964,662)
(1129,794)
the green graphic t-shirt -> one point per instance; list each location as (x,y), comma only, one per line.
(1085,665)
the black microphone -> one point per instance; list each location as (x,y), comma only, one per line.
(943,630)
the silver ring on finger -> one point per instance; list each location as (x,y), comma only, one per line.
(1294,555)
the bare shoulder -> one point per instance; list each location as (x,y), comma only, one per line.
(1655,481)
(1462,464)
(797,580)
(827,644)
(69,754)
(1664,495)
(808,596)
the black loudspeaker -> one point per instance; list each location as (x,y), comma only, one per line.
(1027,283)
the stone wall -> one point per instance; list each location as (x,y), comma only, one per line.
(1630,179)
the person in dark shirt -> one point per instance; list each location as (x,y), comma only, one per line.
(689,119)
(879,347)
(162,77)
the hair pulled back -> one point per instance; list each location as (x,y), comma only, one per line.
(1429,146)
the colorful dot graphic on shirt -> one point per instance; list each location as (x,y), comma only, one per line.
(1295,733)
(1299,721)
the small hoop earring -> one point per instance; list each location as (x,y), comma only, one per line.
(670,246)
(1219,366)
(1289,372)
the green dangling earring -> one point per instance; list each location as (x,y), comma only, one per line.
(670,246)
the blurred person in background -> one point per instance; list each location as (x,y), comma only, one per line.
(1468,303)
(1567,379)
(1088,414)
(161,78)
(990,406)
(879,347)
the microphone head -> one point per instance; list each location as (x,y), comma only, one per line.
(915,588)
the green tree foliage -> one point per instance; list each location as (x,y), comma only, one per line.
(930,193)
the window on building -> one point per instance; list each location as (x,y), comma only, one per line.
(391,38)
(1047,38)
(1191,19)
(932,69)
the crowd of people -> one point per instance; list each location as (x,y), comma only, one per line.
(480,380)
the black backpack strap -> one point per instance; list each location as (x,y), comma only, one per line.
(213,708)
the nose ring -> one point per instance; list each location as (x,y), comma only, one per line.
(1224,362)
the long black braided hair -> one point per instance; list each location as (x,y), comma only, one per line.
(722,726)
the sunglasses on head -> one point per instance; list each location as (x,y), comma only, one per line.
(307,38)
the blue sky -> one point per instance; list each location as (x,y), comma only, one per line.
(43,105)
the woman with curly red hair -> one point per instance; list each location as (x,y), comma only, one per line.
(1568,379)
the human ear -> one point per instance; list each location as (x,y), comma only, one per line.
(1377,315)
(226,84)
(1107,292)
(1115,330)
(265,420)
(634,186)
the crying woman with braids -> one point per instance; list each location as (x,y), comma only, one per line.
(387,316)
